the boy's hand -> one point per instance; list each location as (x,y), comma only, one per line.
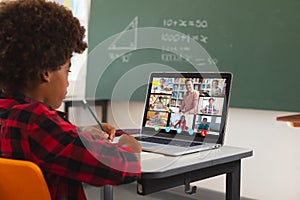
(129,141)
(110,130)
(96,131)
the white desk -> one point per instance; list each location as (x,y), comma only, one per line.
(164,172)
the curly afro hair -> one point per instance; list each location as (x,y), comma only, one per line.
(35,36)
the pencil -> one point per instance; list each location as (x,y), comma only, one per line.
(94,116)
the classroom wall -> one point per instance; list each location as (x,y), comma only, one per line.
(272,173)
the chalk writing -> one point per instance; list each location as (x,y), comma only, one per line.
(198,23)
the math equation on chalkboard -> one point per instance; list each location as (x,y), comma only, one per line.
(175,45)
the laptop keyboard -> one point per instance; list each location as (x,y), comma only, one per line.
(167,141)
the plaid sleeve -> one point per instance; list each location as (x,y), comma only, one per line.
(58,148)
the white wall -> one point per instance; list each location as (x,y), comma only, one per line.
(273,173)
(274,170)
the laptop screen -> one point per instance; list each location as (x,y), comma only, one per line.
(189,106)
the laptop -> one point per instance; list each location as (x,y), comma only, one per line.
(185,112)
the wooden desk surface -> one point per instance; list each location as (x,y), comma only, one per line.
(292,120)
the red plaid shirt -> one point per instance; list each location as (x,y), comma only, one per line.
(30,130)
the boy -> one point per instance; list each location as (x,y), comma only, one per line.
(37,39)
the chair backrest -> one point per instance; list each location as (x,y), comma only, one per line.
(21,179)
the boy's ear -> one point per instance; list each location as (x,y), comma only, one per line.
(45,76)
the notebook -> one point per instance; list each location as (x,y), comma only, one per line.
(185,112)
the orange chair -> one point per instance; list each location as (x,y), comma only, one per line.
(21,179)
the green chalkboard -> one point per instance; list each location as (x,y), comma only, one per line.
(258,41)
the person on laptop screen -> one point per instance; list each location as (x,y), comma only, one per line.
(37,40)
(156,119)
(190,99)
(204,125)
(162,87)
(181,124)
(215,90)
(210,108)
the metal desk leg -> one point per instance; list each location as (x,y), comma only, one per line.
(107,192)
(233,182)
